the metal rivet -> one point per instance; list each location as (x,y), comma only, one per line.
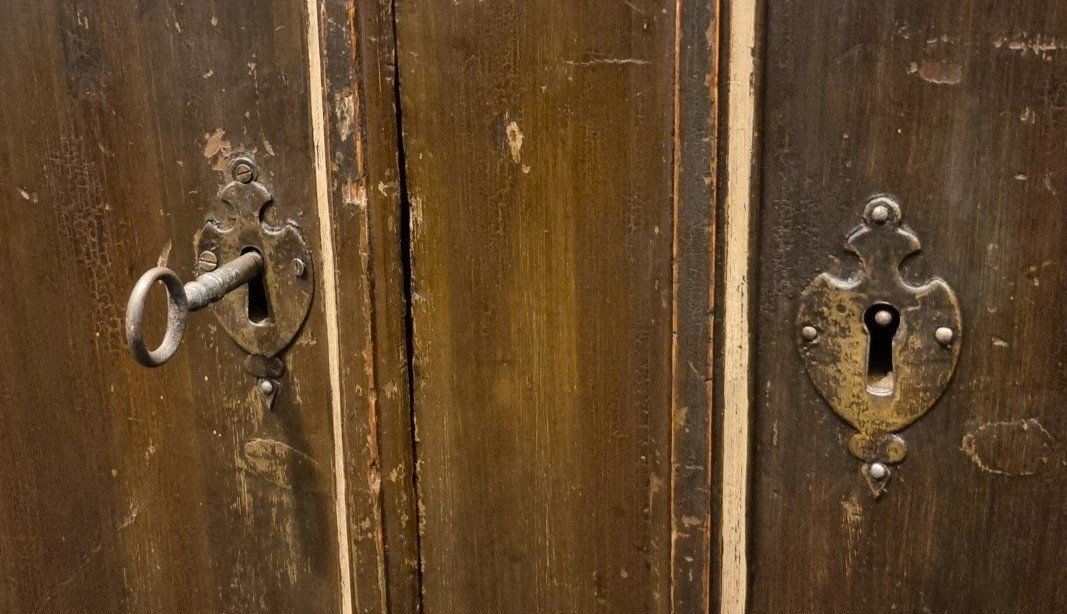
(208,261)
(243,170)
(880,214)
(944,335)
(878,471)
(266,387)
(299,268)
(883,317)
(809,333)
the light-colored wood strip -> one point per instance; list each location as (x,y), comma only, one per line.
(736,351)
(329,275)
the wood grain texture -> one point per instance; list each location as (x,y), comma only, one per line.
(959,109)
(694,280)
(736,333)
(367,224)
(128,490)
(541,142)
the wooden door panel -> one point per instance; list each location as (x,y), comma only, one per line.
(957,108)
(542,149)
(168,490)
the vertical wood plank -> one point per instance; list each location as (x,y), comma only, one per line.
(367,227)
(957,108)
(171,490)
(553,256)
(694,275)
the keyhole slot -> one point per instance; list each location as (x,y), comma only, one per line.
(882,321)
(258,306)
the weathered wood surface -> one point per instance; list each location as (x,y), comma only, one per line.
(548,213)
(128,490)
(959,109)
(368,229)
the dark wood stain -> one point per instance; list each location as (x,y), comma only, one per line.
(958,108)
(693,568)
(540,143)
(128,490)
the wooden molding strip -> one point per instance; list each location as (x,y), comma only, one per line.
(740,136)
(329,276)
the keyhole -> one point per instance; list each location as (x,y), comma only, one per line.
(881,320)
(258,306)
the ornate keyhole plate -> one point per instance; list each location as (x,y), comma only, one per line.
(879,350)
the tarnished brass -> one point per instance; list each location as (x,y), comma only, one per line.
(875,346)
(261,295)
(288,292)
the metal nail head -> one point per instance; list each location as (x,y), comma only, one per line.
(944,335)
(883,318)
(878,471)
(880,214)
(266,387)
(299,268)
(809,333)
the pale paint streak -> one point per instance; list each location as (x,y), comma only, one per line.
(736,401)
(329,276)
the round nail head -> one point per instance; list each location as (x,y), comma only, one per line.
(944,335)
(299,268)
(883,318)
(880,214)
(266,387)
(878,471)
(809,333)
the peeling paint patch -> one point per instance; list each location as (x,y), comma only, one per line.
(385,188)
(344,108)
(940,72)
(692,521)
(515,137)
(129,518)
(354,194)
(609,62)
(1037,45)
(415,222)
(216,147)
(1014,448)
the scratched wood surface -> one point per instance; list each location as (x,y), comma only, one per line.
(959,108)
(368,227)
(129,490)
(541,152)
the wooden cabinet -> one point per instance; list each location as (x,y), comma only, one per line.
(953,108)
(559,258)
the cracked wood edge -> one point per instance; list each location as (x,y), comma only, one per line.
(366,217)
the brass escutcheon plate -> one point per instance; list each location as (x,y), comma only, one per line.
(879,350)
(288,273)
